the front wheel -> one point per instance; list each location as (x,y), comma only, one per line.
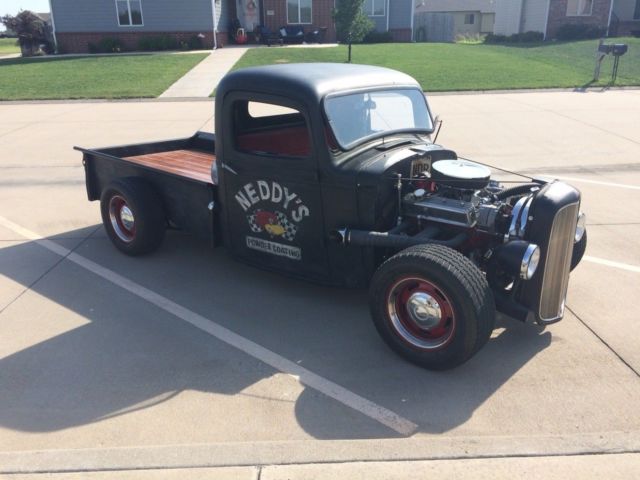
(432,305)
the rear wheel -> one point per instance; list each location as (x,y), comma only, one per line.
(432,305)
(132,215)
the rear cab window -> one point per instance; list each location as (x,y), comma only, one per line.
(268,129)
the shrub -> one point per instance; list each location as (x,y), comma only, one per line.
(470,38)
(570,31)
(531,37)
(195,43)
(377,37)
(493,38)
(106,45)
(161,42)
(526,37)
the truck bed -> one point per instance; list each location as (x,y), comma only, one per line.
(178,170)
(194,164)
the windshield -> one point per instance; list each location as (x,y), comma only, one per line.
(357,116)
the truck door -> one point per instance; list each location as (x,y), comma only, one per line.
(271,190)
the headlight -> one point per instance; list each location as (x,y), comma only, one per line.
(580,227)
(518,258)
(530,261)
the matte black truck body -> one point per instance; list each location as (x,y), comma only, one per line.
(327,173)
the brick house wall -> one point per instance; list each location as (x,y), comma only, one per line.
(558,16)
(320,16)
(401,34)
(78,42)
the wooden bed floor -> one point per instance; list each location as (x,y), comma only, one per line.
(193,164)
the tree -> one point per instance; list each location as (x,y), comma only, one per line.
(30,28)
(351,22)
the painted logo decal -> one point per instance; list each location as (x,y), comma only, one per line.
(275,211)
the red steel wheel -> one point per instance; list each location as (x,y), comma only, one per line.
(432,305)
(122,219)
(420,313)
(133,215)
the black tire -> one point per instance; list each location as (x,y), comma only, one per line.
(140,229)
(465,302)
(578,251)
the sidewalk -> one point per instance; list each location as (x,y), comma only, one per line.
(202,79)
(591,467)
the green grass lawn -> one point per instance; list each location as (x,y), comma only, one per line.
(8,45)
(126,76)
(449,67)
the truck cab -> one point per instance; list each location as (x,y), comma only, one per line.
(295,148)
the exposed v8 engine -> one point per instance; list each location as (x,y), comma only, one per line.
(460,193)
(506,232)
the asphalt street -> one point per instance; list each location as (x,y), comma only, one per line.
(187,359)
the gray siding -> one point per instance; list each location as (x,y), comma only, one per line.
(157,16)
(400,13)
(508,15)
(624,9)
(380,23)
(534,16)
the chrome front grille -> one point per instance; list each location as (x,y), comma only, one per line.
(558,263)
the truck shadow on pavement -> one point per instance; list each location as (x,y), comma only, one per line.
(98,351)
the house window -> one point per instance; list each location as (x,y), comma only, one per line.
(469,19)
(129,13)
(579,8)
(298,11)
(636,13)
(374,8)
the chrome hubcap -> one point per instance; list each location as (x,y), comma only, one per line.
(122,219)
(420,313)
(424,310)
(126,216)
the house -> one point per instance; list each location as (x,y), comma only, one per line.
(468,17)
(393,16)
(547,16)
(78,23)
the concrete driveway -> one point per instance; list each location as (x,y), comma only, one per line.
(187,359)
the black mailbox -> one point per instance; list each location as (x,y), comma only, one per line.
(619,49)
(605,48)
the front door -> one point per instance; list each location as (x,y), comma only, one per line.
(272,193)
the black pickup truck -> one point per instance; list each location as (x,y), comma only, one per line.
(328,173)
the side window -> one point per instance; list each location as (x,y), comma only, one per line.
(270,130)
(129,13)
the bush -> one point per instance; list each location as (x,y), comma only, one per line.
(106,45)
(470,38)
(195,43)
(530,37)
(161,42)
(570,31)
(493,38)
(526,37)
(377,37)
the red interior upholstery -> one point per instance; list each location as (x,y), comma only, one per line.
(289,141)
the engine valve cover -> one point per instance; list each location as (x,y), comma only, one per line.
(443,210)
